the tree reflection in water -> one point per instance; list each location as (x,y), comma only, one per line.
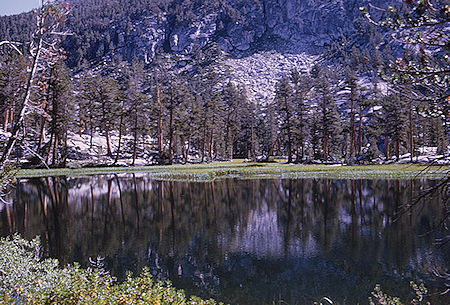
(241,241)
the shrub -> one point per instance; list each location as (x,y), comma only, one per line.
(25,278)
(381,298)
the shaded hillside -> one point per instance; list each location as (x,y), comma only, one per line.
(142,27)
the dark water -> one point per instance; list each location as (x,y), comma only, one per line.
(243,241)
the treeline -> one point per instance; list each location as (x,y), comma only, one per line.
(323,119)
(327,114)
(364,103)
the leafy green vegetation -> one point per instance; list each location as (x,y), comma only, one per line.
(381,298)
(7,175)
(236,169)
(25,278)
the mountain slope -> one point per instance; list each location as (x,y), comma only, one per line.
(143,27)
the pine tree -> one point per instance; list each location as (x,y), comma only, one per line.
(136,103)
(108,104)
(211,113)
(285,111)
(177,99)
(12,75)
(436,135)
(88,111)
(45,52)
(187,120)
(396,121)
(245,144)
(231,103)
(329,120)
(353,98)
(60,106)
(302,86)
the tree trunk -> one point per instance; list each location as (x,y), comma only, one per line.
(43,119)
(91,129)
(302,141)
(187,150)
(325,148)
(227,135)
(352,132)
(7,119)
(30,83)
(231,146)
(108,143)
(289,146)
(386,147)
(54,127)
(411,137)
(120,139)
(252,143)
(397,149)
(160,139)
(273,147)
(135,138)
(183,148)
(55,151)
(227,151)
(211,145)
(360,130)
(134,147)
(42,133)
(204,141)
(64,154)
(288,123)
(11,115)
(171,136)
(50,144)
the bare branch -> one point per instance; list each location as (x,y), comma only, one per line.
(12,44)
(36,155)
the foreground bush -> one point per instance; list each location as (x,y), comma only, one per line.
(381,298)
(27,279)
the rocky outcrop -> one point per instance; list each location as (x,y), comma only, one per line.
(264,38)
(147,36)
(260,72)
(243,26)
(184,39)
(304,24)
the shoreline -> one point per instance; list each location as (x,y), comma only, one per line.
(240,170)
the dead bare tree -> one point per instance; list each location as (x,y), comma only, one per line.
(44,54)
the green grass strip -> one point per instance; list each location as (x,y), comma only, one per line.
(222,170)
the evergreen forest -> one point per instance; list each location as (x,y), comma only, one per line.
(378,93)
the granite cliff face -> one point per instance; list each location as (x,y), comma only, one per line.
(241,27)
(264,39)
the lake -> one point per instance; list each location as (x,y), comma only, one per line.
(243,241)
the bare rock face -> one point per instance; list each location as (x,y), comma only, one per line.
(146,36)
(240,24)
(264,38)
(241,27)
(184,39)
(267,38)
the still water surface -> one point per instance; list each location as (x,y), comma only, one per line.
(242,241)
